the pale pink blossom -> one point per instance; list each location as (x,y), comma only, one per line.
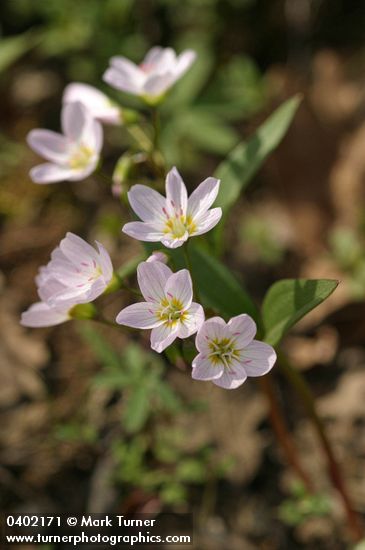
(76,274)
(228,353)
(172,220)
(168,310)
(41,314)
(158,256)
(98,104)
(159,70)
(72,155)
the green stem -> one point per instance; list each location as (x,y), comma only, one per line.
(140,137)
(189,266)
(300,384)
(282,434)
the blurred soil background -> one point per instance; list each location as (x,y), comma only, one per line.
(91,420)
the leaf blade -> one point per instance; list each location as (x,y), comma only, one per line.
(288,300)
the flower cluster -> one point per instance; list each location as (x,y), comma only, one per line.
(78,273)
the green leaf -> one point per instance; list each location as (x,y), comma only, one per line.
(219,289)
(243,162)
(14,47)
(287,301)
(138,408)
(206,130)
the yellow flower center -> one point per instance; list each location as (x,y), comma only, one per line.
(222,351)
(179,225)
(172,311)
(81,157)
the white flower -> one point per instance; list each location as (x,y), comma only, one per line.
(172,220)
(41,314)
(158,256)
(168,310)
(228,354)
(76,274)
(159,70)
(72,155)
(98,104)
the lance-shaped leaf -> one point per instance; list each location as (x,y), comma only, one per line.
(287,301)
(244,161)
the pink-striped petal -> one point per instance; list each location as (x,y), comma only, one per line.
(176,194)
(258,358)
(243,329)
(203,369)
(148,204)
(192,321)
(232,377)
(203,197)
(141,315)
(152,279)
(205,222)
(213,328)
(143,231)
(180,286)
(162,337)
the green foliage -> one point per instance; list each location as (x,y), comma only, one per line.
(77,431)
(151,453)
(347,248)
(137,372)
(288,300)
(219,288)
(14,47)
(238,169)
(302,506)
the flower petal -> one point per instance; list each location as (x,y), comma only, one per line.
(77,250)
(50,145)
(232,377)
(73,120)
(159,60)
(152,278)
(121,81)
(205,222)
(203,197)
(105,262)
(99,105)
(162,337)
(42,315)
(243,328)
(147,203)
(127,68)
(158,84)
(176,194)
(203,369)
(50,173)
(158,256)
(213,328)
(180,287)
(192,322)
(140,315)
(174,242)
(143,231)
(184,62)
(258,358)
